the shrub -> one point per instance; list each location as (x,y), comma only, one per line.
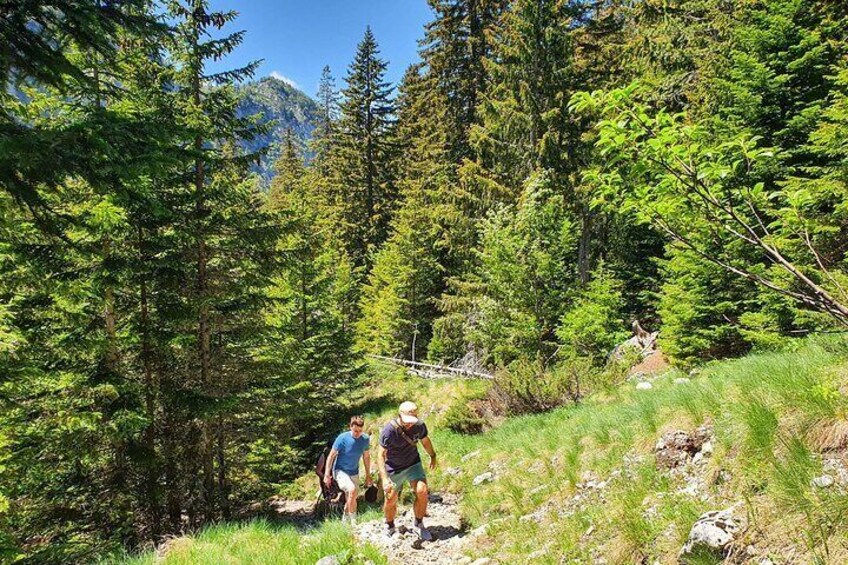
(528,387)
(593,325)
(462,418)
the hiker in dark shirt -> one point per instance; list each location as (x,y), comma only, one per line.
(399,463)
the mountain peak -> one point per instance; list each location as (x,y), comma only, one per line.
(277,100)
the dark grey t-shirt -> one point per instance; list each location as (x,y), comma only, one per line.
(400,454)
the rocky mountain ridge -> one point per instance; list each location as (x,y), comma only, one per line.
(287,107)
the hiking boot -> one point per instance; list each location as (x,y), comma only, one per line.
(422,532)
(390,531)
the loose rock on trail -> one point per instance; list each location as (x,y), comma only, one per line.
(443,521)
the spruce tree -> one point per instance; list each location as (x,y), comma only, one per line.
(85,340)
(310,351)
(214,213)
(397,300)
(454,47)
(43,42)
(364,154)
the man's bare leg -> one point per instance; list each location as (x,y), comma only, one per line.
(421,494)
(390,507)
(350,503)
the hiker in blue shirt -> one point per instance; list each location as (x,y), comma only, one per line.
(398,462)
(343,464)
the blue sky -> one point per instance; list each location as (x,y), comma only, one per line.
(296,38)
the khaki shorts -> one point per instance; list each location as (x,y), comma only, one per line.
(346,482)
(408,475)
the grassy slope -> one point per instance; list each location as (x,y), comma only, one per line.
(774,416)
(259,543)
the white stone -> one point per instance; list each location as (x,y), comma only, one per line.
(825,481)
(464,560)
(713,531)
(486,477)
(644,385)
(471,455)
(750,550)
(482,561)
(681,381)
(836,469)
(707,448)
(329,560)
(538,554)
(534,517)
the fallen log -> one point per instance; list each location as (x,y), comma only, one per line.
(428,370)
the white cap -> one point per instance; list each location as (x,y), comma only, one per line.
(408,413)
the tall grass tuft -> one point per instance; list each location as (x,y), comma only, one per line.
(260,543)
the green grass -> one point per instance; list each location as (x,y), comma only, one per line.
(768,411)
(260,543)
(773,414)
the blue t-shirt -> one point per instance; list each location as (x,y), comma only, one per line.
(350,451)
(400,454)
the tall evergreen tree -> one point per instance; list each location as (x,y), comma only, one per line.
(364,154)
(397,301)
(328,105)
(43,40)
(454,47)
(210,114)
(311,348)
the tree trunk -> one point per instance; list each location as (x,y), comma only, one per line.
(151,479)
(223,486)
(584,251)
(206,447)
(172,482)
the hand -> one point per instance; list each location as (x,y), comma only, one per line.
(388,488)
(368,482)
(433,462)
(328,480)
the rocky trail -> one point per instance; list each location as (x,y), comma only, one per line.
(444,522)
(450,540)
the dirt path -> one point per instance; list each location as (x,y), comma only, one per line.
(404,547)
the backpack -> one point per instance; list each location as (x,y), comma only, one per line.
(321,461)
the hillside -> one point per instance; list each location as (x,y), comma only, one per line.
(289,109)
(623,477)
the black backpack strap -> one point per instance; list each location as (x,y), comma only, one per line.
(400,430)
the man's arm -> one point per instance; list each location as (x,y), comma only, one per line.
(366,459)
(328,467)
(388,485)
(428,447)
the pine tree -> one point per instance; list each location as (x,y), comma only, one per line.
(364,152)
(525,129)
(454,47)
(396,302)
(85,338)
(310,352)
(434,232)
(43,41)
(322,137)
(211,116)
